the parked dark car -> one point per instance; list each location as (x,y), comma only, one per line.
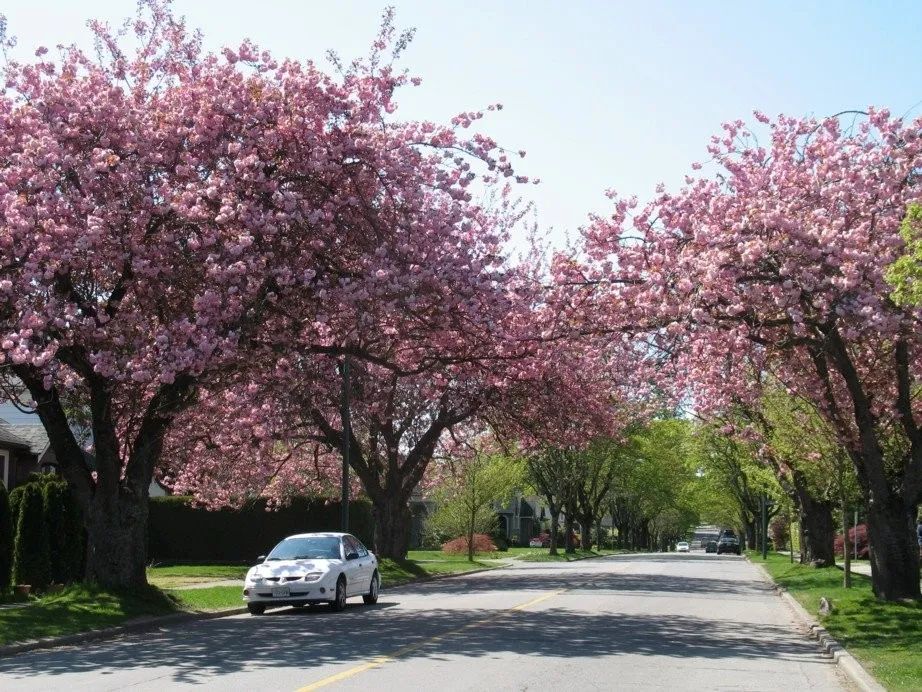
(729,544)
(711,547)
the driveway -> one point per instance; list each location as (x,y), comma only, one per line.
(676,622)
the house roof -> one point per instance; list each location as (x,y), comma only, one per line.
(34,435)
(8,436)
(31,436)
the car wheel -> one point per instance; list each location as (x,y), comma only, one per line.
(339,600)
(256,608)
(372,596)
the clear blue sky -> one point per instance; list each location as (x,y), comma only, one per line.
(601,94)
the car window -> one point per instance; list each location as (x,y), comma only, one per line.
(358,546)
(306,548)
(349,546)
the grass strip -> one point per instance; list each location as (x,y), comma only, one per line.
(80,608)
(542,555)
(884,636)
(171,576)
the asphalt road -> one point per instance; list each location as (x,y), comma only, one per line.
(676,622)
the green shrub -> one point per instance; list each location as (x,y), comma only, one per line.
(15,502)
(31,560)
(181,532)
(65,532)
(6,540)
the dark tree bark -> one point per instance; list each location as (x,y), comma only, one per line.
(818,528)
(568,534)
(585,536)
(392,527)
(892,491)
(555,527)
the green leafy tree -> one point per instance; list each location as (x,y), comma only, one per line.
(465,502)
(31,559)
(731,479)
(552,473)
(905,275)
(6,540)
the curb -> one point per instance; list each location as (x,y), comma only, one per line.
(847,663)
(139,625)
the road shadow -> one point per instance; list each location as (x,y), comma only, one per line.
(309,638)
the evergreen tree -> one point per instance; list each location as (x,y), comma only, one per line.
(6,540)
(31,560)
(65,532)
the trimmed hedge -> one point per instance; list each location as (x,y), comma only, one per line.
(31,558)
(65,533)
(180,532)
(6,540)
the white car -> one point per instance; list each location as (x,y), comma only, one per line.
(311,568)
(682,546)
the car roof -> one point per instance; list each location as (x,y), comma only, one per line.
(319,534)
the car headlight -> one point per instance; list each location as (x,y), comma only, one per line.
(254,578)
(312,576)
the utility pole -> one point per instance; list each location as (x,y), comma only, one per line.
(347,434)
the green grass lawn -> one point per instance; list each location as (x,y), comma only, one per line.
(210,598)
(77,609)
(542,555)
(171,576)
(885,637)
(421,564)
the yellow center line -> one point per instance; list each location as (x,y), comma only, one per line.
(379,661)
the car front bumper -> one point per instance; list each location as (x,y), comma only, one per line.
(321,591)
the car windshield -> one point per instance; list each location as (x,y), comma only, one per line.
(307,548)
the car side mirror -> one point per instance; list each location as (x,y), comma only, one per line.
(352,556)
(261,558)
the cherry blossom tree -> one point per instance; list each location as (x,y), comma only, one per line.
(168,217)
(507,378)
(781,256)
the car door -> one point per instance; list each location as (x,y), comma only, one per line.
(367,562)
(355,578)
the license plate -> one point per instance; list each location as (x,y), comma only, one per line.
(281,592)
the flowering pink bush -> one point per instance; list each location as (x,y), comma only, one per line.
(482,544)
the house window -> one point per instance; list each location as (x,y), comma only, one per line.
(5,456)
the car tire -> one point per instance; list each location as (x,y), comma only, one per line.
(373,588)
(256,608)
(338,604)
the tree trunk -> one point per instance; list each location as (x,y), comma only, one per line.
(116,528)
(846,549)
(894,553)
(555,527)
(751,534)
(818,546)
(392,527)
(585,536)
(567,531)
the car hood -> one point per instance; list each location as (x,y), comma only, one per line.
(292,568)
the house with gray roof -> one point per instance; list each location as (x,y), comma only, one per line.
(24,449)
